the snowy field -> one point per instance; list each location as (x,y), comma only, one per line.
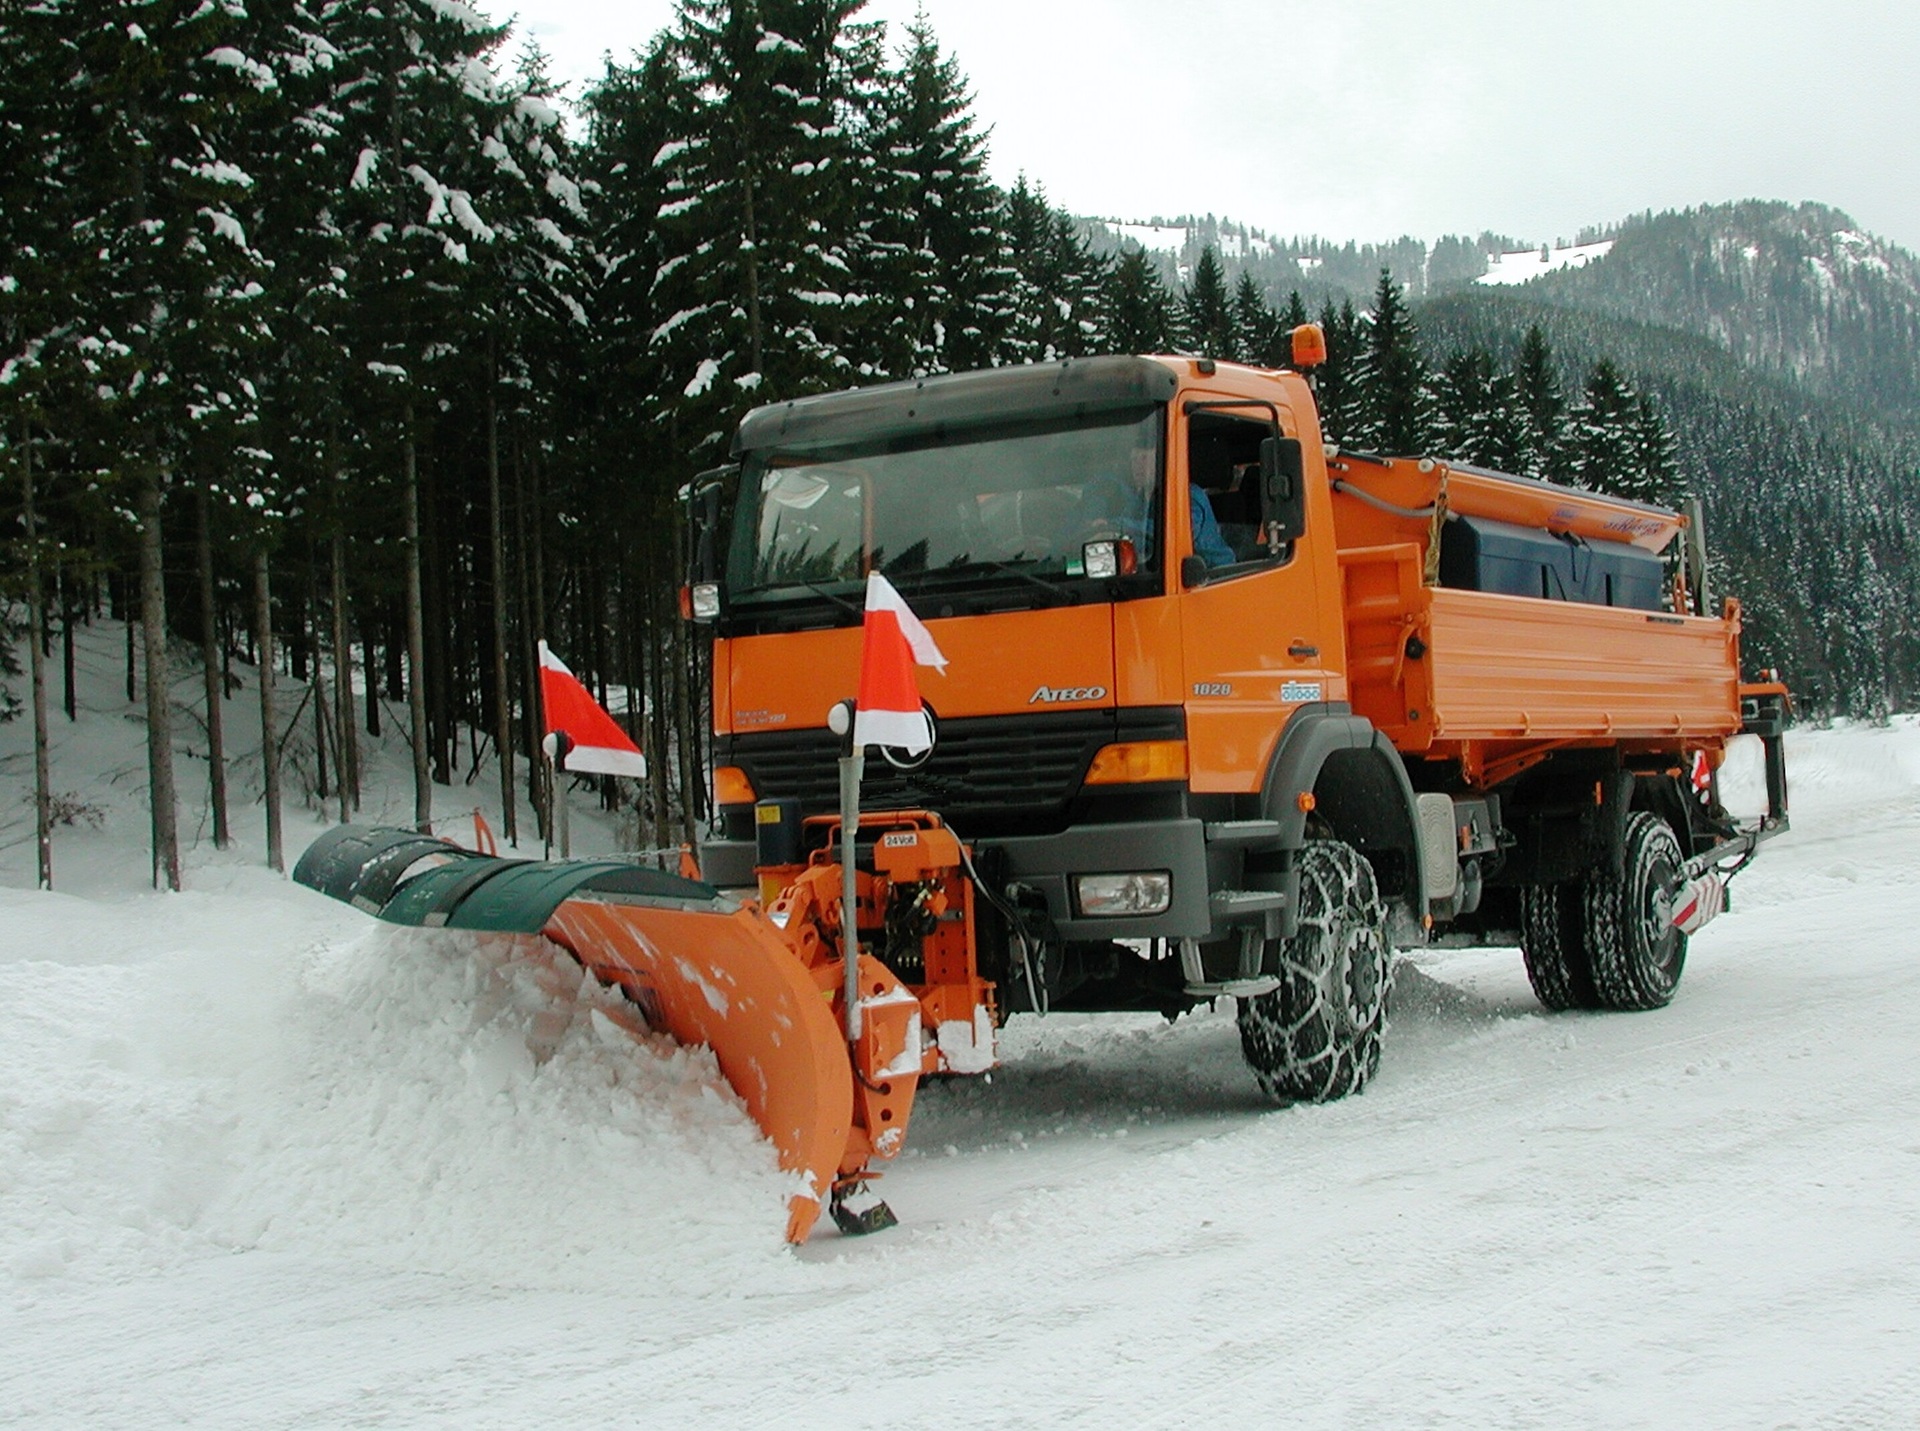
(1507,269)
(264,1163)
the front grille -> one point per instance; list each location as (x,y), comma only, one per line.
(991,775)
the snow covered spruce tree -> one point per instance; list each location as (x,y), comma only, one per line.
(1392,416)
(1542,407)
(416,102)
(1476,415)
(1206,309)
(1257,335)
(1337,384)
(160,282)
(944,275)
(758,214)
(1139,308)
(1060,294)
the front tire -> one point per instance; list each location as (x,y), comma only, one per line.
(1637,954)
(1317,1036)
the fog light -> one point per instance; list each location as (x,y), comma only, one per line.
(1108,896)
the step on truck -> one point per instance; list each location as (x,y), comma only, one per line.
(1227,711)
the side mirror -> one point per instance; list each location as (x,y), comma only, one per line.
(1283,495)
(700,600)
(1193,572)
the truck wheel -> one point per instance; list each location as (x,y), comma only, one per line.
(1317,1036)
(1637,953)
(1553,942)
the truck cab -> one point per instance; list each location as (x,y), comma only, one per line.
(1109,726)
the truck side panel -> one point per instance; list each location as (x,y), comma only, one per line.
(1428,664)
(1518,666)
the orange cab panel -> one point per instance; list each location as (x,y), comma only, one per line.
(1055,659)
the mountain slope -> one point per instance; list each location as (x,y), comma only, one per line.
(1792,289)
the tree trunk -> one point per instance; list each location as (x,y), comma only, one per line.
(210,668)
(153,630)
(348,773)
(436,615)
(416,638)
(269,723)
(321,738)
(67,660)
(497,572)
(36,625)
(133,691)
(373,680)
(545,776)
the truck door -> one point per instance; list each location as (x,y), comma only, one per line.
(1255,632)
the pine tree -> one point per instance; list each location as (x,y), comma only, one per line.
(1257,336)
(1393,416)
(1140,309)
(1655,454)
(949,285)
(163,277)
(1059,296)
(1336,383)
(1462,404)
(1542,408)
(756,275)
(1603,434)
(1206,310)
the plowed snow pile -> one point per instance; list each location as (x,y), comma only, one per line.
(265,1163)
(247,1071)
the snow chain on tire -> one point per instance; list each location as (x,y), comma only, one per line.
(1637,954)
(1553,942)
(1317,1036)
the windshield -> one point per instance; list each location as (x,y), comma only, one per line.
(1012,503)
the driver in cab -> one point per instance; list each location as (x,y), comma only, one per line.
(1123,507)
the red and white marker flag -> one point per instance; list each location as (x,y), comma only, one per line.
(600,747)
(888,711)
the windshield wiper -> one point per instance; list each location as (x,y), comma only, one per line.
(936,576)
(817,589)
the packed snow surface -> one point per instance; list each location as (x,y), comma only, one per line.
(266,1163)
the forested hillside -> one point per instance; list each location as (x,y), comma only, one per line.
(334,359)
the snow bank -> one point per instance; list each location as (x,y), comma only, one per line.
(191,1074)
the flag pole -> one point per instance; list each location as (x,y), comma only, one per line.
(556,746)
(852,764)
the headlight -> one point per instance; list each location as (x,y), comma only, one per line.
(1108,896)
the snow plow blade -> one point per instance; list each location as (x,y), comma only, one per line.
(700,967)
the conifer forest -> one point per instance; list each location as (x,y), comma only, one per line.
(339,360)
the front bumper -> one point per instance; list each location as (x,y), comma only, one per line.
(1048,863)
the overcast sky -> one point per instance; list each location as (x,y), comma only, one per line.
(1368,119)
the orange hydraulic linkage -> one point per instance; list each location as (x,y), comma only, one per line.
(916,907)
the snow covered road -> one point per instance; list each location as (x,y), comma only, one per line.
(262,1166)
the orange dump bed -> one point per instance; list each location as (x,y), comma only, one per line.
(1495,680)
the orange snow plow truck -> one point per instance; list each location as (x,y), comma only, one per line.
(1226,712)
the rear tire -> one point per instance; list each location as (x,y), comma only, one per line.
(1553,942)
(1317,1036)
(1637,954)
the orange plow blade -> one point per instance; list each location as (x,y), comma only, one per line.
(701,968)
(729,982)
